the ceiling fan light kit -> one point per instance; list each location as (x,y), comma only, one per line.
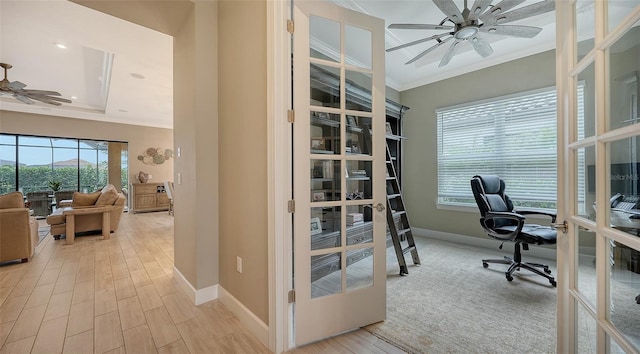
(17,90)
(469,24)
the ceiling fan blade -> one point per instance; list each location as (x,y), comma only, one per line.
(479,6)
(499,8)
(524,12)
(40,92)
(481,46)
(512,30)
(449,8)
(450,53)
(46,99)
(419,26)
(437,36)
(17,85)
(23,99)
(58,99)
(429,50)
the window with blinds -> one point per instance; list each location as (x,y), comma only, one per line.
(511,136)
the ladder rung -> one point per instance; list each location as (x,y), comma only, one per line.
(391,196)
(408,249)
(389,178)
(398,213)
(403,231)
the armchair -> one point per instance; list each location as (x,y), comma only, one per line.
(500,221)
(18,230)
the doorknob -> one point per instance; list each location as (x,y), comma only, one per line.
(379,207)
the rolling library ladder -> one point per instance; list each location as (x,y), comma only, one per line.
(397,220)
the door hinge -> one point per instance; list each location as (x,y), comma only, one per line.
(290,26)
(291,116)
(291,206)
(291,296)
(561,226)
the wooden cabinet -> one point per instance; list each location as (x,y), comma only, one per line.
(148,197)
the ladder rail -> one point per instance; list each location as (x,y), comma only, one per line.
(400,214)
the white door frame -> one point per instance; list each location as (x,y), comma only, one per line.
(279,173)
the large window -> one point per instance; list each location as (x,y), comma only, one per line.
(513,137)
(35,163)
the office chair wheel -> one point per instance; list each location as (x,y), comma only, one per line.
(509,277)
(485,264)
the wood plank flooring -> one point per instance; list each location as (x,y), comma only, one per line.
(119,296)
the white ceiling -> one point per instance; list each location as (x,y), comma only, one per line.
(105,56)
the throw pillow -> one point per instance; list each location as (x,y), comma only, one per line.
(11,200)
(108,195)
(84,199)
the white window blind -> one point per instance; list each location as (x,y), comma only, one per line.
(512,136)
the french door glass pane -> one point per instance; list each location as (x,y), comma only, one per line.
(584,26)
(324,38)
(587,76)
(359,268)
(325,228)
(586,331)
(586,182)
(325,86)
(325,180)
(625,287)
(359,180)
(325,133)
(357,47)
(359,87)
(617,10)
(359,224)
(624,76)
(625,185)
(326,274)
(586,275)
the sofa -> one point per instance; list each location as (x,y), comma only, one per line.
(18,229)
(108,197)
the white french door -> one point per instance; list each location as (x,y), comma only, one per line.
(339,170)
(598,49)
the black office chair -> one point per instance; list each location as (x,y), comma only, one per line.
(500,221)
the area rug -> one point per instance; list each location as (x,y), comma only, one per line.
(451,304)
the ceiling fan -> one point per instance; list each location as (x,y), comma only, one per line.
(18,91)
(482,17)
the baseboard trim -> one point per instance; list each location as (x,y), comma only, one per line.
(253,324)
(534,251)
(246,317)
(198,297)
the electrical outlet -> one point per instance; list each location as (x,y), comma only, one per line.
(238,264)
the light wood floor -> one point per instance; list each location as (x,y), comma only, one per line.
(119,296)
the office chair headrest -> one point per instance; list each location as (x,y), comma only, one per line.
(491,184)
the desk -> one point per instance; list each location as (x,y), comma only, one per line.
(70,221)
(620,220)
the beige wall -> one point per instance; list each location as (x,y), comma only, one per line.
(420,178)
(243,152)
(220,207)
(139,138)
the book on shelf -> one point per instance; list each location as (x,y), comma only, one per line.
(354,223)
(354,217)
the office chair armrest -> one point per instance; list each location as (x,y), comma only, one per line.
(536,212)
(511,236)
